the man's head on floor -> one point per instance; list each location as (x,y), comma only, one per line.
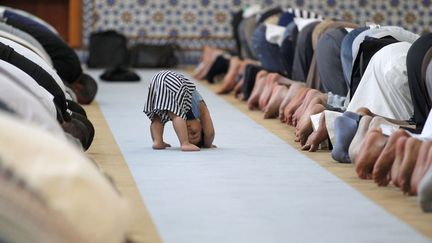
(85,88)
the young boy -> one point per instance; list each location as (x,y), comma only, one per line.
(172,97)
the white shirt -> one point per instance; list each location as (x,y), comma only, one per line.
(28,83)
(27,53)
(70,184)
(27,105)
(274,34)
(396,32)
(384,87)
(24,39)
(251,11)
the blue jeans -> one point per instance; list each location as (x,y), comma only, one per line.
(288,48)
(346,53)
(268,54)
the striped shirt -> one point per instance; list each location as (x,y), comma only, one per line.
(169,92)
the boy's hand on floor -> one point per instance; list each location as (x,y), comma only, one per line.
(189,147)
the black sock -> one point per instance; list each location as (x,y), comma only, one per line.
(249,79)
(219,66)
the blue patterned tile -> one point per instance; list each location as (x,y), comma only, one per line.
(208,21)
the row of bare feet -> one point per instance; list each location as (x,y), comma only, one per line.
(399,159)
(230,80)
(275,95)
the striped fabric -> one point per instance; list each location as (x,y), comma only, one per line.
(169,92)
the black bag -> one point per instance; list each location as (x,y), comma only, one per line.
(122,74)
(153,56)
(107,49)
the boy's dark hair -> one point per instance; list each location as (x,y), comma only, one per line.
(201,142)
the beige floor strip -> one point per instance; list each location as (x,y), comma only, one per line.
(390,198)
(108,156)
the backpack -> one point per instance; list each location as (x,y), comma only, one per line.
(107,49)
(153,56)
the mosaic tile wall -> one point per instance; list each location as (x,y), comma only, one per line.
(195,23)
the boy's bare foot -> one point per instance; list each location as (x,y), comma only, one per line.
(382,167)
(370,150)
(188,147)
(424,160)
(162,145)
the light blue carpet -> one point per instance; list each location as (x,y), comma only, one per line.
(253,188)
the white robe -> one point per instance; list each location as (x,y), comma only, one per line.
(69,183)
(29,54)
(384,87)
(27,104)
(24,80)
(396,32)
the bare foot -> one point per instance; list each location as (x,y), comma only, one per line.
(209,56)
(188,147)
(400,150)
(304,127)
(317,137)
(229,80)
(364,112)
(257,89)
(272,108)
(311,109)
(424,161)
(294,104)
(359,137)
(159,146)
(311,95)
(198,70)
(286,81)
(292,92)
(412,148)
(382,168)
(238,88)
(370,150)
(270,84)
(240,97)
